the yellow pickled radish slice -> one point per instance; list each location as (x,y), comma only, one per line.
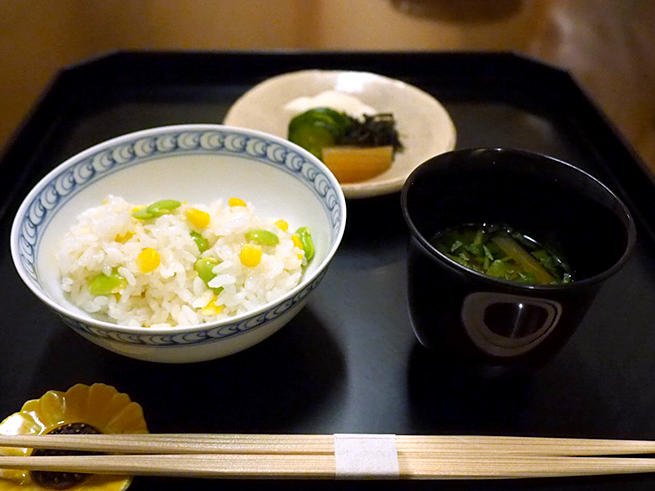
(352,164)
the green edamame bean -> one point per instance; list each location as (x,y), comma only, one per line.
(156,209)
(307,242)
(143,214)
(262,237)
(103,284)
(163,206)
(201,242)
(204,267)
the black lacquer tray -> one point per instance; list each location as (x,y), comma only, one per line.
(349,362)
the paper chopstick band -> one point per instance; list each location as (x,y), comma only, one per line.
(365,456)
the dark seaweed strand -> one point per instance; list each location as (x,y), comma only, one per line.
(63,480)
(373,131)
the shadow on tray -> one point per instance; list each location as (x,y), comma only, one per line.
(271,387)
(443,400)
(373,222)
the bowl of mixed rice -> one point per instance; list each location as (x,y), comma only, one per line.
(180,243)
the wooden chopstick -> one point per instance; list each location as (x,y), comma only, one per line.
(313,456)
(160,443)
(323,466)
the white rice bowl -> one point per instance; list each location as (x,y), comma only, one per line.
(198,164)
(107,239)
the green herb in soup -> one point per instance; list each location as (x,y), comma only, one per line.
(502,252)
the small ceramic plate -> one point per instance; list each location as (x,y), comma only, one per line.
(424,125)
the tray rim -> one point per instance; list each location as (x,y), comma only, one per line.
(633,180)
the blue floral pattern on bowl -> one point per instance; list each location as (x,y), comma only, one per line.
(141,149)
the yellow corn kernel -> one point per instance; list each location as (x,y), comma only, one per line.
(297,242)
(124,238)
(251,255)
(198,218)
(282,225)
(211,308)
(148,260)
(236,202)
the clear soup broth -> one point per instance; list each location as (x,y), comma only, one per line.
(502,252)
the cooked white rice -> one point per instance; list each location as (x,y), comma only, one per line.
(108,239)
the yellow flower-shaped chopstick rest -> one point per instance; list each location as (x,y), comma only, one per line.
(98,408)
